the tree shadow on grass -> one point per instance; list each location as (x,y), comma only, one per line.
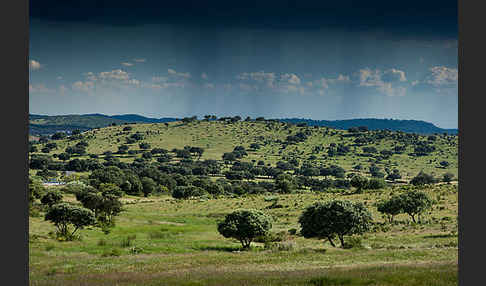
(440,235)
(338,281)
(220,248)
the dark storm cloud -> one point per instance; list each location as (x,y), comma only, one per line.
(412,18)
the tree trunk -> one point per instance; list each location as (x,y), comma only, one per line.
(413,218)
(341,238)
(331,242)
(245,243)
(74,231)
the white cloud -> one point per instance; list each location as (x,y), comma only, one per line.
(108,79)
(208,85)
(163,85)
(368,77)
(152,85)
(290,78)
(415,82)
(247,87)
(115,78)
(127,64)
(179,74)
(40,88)
(204,75)
(90,76)
(389,90)
(441,75)
(34,65)
(386,85)
(133,82)
(421,60)
(59,77)
(86,86)
(175,79)
(159,79)
(139,60)
(399,73)
(343,78)
(117,74)
(267,78)
(286,82)
(323,83)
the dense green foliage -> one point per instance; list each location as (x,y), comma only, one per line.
(51,197)
(335,218)
(412,202)
(245,225)
(391,207)
(415,203)
(64,215)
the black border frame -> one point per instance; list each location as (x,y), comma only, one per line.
(15,22)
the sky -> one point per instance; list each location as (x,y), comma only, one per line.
(323,60)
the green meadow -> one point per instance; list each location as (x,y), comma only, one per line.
(176,241)
(160,240)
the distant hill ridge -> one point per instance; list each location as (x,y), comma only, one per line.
(410,126)
(46,124)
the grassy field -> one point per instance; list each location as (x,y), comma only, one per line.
(159,240)
(162,241)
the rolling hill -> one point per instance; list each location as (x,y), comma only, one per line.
(45,125)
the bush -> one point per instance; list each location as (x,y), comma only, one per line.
(127,241)
(359,182)
(423,179)
(273,237)
(447,178)
(245,225)
(144,145)
(148,186)
(113,252)
(104,203)
(376,183)
(110,174)
(185,192)
(36,190)
(444,164)
(335,218)
(51,198)
(288,245)
(353,242)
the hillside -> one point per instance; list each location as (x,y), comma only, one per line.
(410,126)
(321,145)
(44,124)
